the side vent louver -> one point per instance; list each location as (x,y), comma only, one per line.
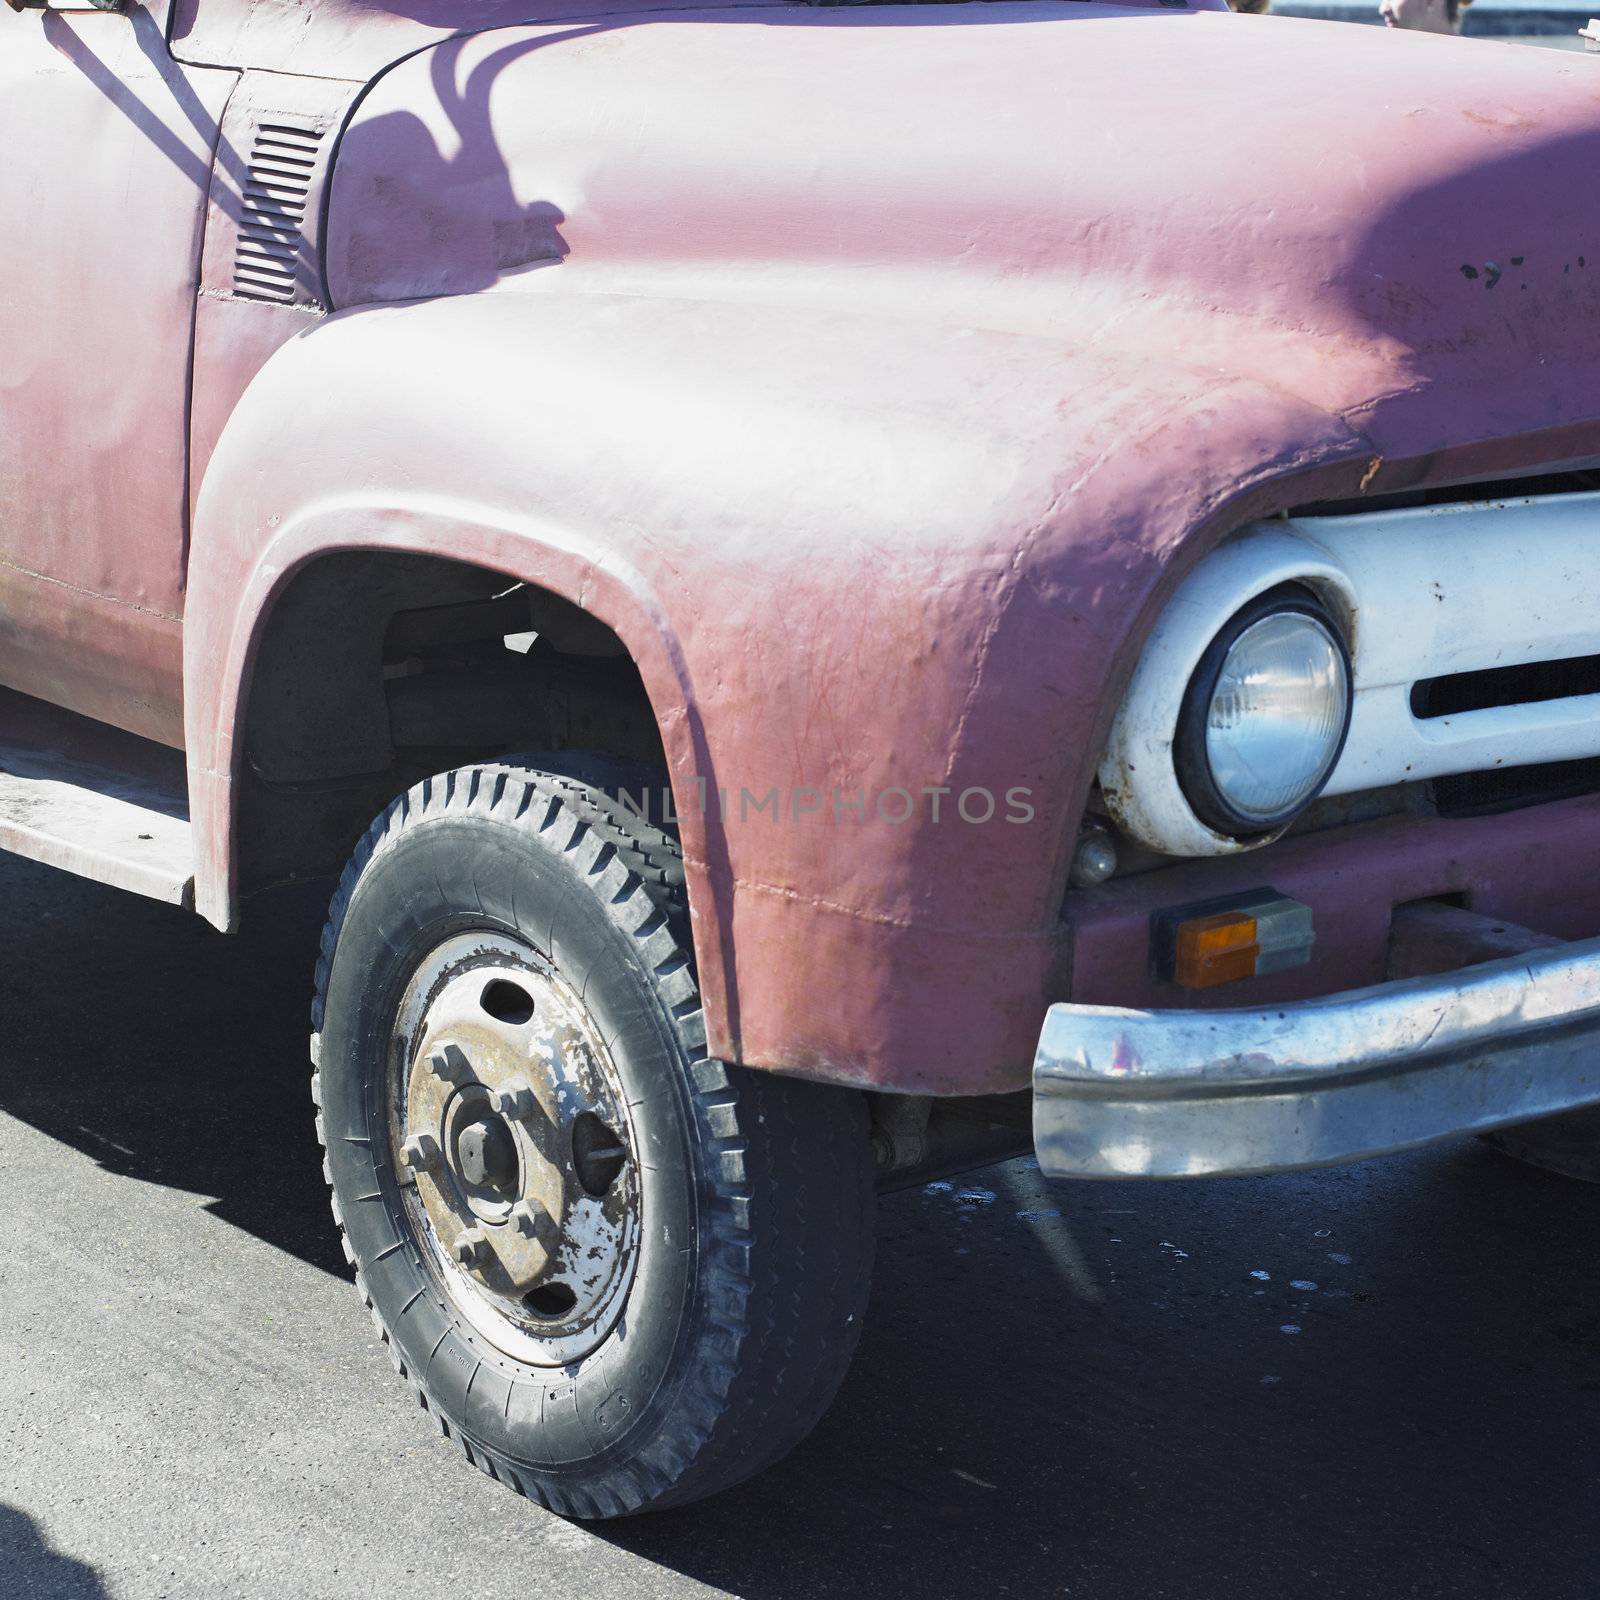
(272,259)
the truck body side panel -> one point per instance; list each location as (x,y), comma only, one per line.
(108,152)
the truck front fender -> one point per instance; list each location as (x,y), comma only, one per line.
(891,574)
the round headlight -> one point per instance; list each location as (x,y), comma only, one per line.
(1265,715)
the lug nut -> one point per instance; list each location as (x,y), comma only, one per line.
(515,1101)
(450,1064)
(530,1219)
(471,1249)
(421,1152)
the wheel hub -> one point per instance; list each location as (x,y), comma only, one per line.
(486,1156)
(515,1136)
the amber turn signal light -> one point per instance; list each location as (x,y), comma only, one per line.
(1220,941)
(1215,949)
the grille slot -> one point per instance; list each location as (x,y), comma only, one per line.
(1505,686)
(1492,789)
(272,258)
(1478,794)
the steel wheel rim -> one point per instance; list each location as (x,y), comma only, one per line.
(527,1206)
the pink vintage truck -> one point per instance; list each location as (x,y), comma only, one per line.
(901,583)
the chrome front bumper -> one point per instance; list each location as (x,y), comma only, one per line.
(1167,1094)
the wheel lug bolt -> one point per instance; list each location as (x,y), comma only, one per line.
(532,1221)
(450,1064)
(421,1152)
(471,1249)
(515,1101)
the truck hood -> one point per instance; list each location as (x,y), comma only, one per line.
(1342,212)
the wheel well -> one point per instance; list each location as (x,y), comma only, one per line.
(377,668)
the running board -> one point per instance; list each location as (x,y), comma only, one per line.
(94,801)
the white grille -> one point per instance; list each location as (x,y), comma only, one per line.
(1426,592)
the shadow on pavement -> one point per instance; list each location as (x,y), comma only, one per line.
(138,1035)
(1380,1380)
(33,1568)
(1106,1403)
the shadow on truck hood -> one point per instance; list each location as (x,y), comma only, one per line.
(1342,212)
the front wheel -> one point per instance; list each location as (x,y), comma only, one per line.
(618,1273)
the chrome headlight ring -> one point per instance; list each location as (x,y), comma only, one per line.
(1265,715)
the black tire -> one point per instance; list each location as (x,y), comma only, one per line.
(754,1251)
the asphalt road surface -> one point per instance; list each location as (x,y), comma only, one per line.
(1379,1381)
